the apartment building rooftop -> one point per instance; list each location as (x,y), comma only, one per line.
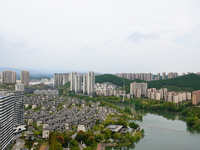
(195,92)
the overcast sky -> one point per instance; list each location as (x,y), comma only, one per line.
(106,36)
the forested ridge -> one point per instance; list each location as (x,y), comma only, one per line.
(188,83)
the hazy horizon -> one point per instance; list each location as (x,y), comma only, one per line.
(102,36)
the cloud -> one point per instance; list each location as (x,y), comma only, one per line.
(138,36)
(90,45)
(104,36)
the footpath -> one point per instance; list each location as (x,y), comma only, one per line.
(102,146)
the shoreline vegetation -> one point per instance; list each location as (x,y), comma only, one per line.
(185,109)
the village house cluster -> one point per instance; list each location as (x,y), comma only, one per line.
(47,92)
(62,114)
(108,89)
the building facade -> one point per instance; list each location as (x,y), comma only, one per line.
(6,121)
(72,80)
(85,78)
(19,87)
(66,78)
(78,83)
(8,76)
(90,83)
(195,97)
(135,86)
(11,115)
(25,78)
(58,79)
(18,110)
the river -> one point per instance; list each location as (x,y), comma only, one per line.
(164,131)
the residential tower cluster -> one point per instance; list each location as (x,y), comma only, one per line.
(141,90)
(151,76)
(79,83)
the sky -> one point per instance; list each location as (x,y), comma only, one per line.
(106,36)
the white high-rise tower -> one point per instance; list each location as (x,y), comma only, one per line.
(85,84)
(72,81)
(78,83)
(90,83)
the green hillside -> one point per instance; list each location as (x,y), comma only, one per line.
(188,83)
(114,79)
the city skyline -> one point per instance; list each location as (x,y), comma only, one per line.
(108,37)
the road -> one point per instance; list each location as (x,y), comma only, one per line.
(102,146)
(19,144)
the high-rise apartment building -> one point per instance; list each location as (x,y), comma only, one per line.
(135,86)
(61,78)
(90,83)
(25,77)
(163,76)
(11,115)
(172,75)
(18,110)
(72,81)
(66,78)
(6,121)
(85,84)
(195,97)
(78,83)
(8,76)
(158,76)
(58,79)
(149,77)
(175,74)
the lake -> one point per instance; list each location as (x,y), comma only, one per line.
(164,131)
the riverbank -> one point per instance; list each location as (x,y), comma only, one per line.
(186,109)
(163,131)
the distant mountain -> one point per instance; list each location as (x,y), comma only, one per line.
(34,73)
(188,83)
(7,68)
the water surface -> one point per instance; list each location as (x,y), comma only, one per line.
(164,131)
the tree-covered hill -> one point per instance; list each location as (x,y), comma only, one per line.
(114,80)
(188,83)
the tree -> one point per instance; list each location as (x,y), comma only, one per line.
(107,133)
(36,133)
(99,137)
(170,106)
(61,139)
(191,121)
(54,144)
(73,145)
(121,122)
(86,136)
(80,136)
(90,141)
(133,125)
(117,135)
(73,142)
